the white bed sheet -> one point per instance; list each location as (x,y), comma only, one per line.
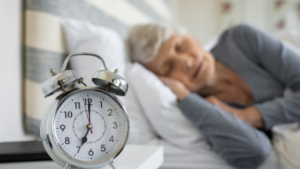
(186,152)
(184,146)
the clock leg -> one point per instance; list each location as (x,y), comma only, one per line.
(112,165)
(67,166)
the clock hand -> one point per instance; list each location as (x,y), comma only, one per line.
(89,109)
(87,117)
(83,140)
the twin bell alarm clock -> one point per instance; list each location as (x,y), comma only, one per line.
(85,127)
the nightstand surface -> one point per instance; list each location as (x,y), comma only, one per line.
(132,157)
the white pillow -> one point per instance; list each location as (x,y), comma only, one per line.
(160,106)
(85,37)
(286,142)
(185,147)
(211,43)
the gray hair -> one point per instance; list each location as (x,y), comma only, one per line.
(144,40)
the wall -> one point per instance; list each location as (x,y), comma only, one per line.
(11,76)
(207,18)
(201,17)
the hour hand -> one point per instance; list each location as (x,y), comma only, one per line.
(83,140)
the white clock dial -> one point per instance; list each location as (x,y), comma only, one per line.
(90,126)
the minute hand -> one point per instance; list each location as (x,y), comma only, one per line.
(87,115)
(89,109)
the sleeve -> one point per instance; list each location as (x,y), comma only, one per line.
(241,145)
(283,64)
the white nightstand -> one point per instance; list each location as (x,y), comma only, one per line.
(132,157)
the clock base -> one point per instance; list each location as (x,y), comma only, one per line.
(111,164)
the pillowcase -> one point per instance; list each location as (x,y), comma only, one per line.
(286,142)
(85,37)
(212,42)
(185,146)
(160,107)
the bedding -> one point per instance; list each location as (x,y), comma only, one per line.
(82,36)
(46,47)
(286,142)
(160,107)
(185,147)
(151,106)
(286,137)
(85,37)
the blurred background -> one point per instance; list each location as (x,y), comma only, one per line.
(208,18)
(205,19)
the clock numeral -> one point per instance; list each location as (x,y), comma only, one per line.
(91,152)
(112,139)
(68,114)
(62,127)
(87,101)
(79,147)
(115,125)
(100,104)
(77,105)
(67,140)
(103,148)
(110,112)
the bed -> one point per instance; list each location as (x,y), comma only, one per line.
(45,47)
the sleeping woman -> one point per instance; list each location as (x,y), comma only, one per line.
(232,93)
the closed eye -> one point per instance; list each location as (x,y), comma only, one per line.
(179,47)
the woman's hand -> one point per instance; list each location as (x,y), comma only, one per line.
(249,114)
(177,87)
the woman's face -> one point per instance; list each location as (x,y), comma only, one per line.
(182,58)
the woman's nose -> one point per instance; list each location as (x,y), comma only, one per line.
(189,64)
(185,63)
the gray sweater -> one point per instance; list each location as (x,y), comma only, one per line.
(268,68)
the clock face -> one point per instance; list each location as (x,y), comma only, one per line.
(90,126)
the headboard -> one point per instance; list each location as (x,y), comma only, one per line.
(45,45)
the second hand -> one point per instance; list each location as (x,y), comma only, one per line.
(87,115)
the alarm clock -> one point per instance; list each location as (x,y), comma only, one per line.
(85,127)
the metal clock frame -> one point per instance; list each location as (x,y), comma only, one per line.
(54,149)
